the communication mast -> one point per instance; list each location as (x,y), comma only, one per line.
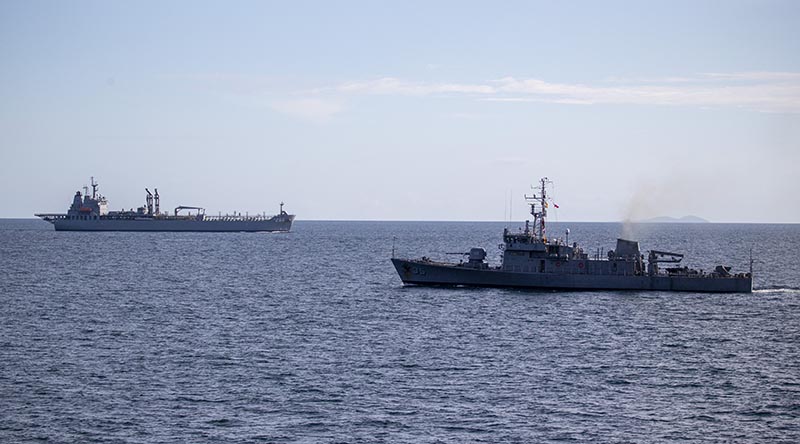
(538,203)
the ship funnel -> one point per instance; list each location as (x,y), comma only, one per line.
(627,248)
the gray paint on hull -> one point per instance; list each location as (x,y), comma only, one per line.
(430,273)
(171,225)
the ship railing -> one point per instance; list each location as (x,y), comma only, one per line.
(50,217)
(237,218)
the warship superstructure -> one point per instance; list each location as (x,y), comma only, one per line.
(531,260)
(90,213)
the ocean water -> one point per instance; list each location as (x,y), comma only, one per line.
(310,337)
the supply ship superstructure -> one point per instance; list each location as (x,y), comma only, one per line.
(531,260)
(90,213)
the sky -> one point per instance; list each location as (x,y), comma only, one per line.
(408,110)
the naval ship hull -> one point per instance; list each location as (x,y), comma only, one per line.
(155,224)
(419,272)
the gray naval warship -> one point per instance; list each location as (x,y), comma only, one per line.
(532,261)
(90,213)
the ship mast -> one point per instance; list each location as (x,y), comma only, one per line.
(539,201)
(94,188)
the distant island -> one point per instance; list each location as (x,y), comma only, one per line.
(676,220)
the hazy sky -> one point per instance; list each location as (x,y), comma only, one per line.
(405,110)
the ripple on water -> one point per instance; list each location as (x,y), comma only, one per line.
(309,337)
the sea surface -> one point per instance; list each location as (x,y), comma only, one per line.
(309,337)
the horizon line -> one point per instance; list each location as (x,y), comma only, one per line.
(642,222)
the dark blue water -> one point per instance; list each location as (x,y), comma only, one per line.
(310,337)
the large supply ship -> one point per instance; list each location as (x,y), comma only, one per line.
(90,213)
(531,260)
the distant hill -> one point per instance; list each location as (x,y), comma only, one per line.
(675,220)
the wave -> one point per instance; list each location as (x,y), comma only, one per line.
(776,289)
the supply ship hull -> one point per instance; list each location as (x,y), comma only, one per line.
(90,213)
(277,223)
